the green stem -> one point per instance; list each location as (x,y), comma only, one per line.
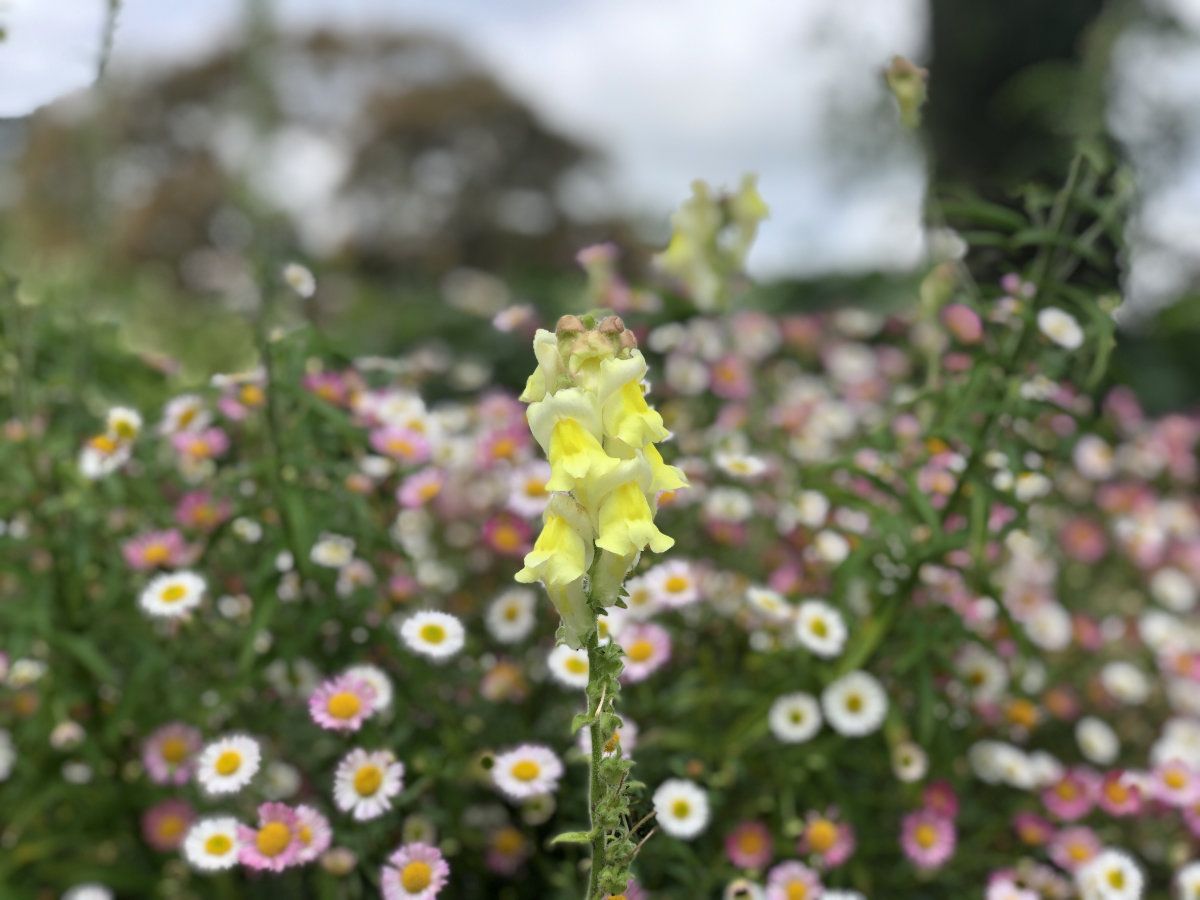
(596,784)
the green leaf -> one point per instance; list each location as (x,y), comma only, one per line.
(571,837)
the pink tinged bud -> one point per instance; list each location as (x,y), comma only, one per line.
(963,323)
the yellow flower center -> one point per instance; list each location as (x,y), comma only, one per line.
(508,841)
(218,845)
(818,627)
(822,835)
(854,703)
(156,553)
(576,666)
(506,538)
(535,487)
(526,770)
(640,651)
(797,890)
(1116,792)
(1066,790)
(433,633)
(170,827)
(750,841)
(273,838)
(416,876)
(1079,851)
(173,593)
(1175,779)
(252,395)
(680,809)
(504,448)
(676,584)
(367,780)
(103,443)
(228,762)
(1116,878)
(343,705)
(512,612)
(926,836)
(400,446)
(305,834)
(173,750)
(429,490)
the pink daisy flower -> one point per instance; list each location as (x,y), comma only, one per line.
(1119,795)
(1072,796)
(1175,783)
(313,833)
(414,872)
(198,445)
(421,488)
(156,549)
(507,850)
(1032,829)
(941,798)
(749,845)
(402,444)
(1074,847)
(507,535)
(165,824)
(507,445)
(927,838)
(275,844)
(793,881)
(342,703)
(332,387)
(647,649)
(200,510)
(169,751)
(827,838)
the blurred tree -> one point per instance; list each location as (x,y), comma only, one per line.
(393,152)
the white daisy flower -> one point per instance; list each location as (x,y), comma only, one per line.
(985,674)
(1031,486)
(795,718)
(8,754)
(569,667)
(1174,589)
(89,891)
(740,465)
(300,279)
(511,616)
(768,603)
(909,762)
(123,423)
(1125,682)
(530,770)
(173,594)
(641,601)
(1110,875)
(1097,741)
(681,808)
(366,781)
(212,844)
(1187,881)
(227,764)
(855,704)
(185,413)
(1060,327)
(332,551)
(820,628)
(673,583)
(378,680)
(831,547)
(437,635)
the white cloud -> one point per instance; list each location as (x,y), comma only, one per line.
(51,49)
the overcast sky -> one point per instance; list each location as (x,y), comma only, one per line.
(669,90)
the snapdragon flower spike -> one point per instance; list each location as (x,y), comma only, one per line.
(588,412)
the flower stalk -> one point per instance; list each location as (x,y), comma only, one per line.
(588,411)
